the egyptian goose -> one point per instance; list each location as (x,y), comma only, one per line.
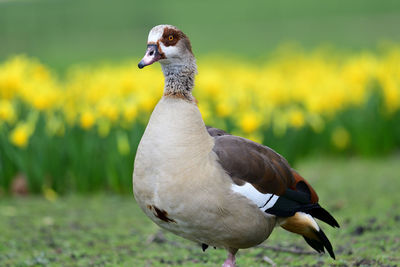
(206,185)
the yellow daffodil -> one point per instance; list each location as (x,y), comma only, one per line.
(7,112)
(130,112)
(296,118)
(287,91)
(250,122)
(224,109)
(87,120)
(20,135)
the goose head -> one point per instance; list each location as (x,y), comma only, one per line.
(168,45)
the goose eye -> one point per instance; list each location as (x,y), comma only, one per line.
(170,37)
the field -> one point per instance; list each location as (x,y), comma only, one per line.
(113,231)
(63,32)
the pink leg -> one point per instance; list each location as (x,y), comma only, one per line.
(230,261)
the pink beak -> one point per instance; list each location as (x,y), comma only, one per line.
(152,55)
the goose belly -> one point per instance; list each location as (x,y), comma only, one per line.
(205,213)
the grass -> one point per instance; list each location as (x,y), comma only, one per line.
(64,32)
(109,230)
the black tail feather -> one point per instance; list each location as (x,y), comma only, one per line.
(326,242)
(294,201)
(323,215)
(315,244)
(319,244)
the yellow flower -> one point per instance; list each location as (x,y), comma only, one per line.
(296,118)
(340,138)
(40,73)
(290,90)
(205,111)
(7,112)
(130,112)
(109,110)
(44,99)
(391,92)
(147,102)
(249,122)
(9,84)
(20,135)
(87,120)
(11,76)
(224,109)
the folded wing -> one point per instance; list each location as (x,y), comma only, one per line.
(266,178)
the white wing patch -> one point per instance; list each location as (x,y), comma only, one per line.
(263,201)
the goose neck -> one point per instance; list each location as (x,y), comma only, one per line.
(179,79)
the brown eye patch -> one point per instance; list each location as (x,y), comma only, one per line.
(171,36)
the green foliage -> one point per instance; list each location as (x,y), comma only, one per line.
(79,161)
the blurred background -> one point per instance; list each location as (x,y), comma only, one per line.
(317,82)
(300,77)
(60,33)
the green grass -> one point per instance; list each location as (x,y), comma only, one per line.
(64,32)
(108,230)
